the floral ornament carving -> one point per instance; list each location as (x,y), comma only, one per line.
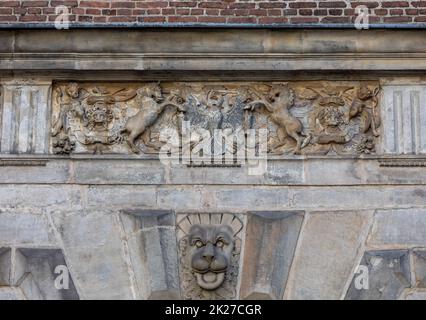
(209,247)
(301,117)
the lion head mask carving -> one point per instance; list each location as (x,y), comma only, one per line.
(209,247)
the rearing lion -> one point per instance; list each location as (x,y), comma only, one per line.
(150,99)
(278,102)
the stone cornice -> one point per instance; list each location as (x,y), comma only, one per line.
(213,50)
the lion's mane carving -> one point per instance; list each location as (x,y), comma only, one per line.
(209,256)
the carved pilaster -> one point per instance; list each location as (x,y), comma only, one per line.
(25,115)
(404,119)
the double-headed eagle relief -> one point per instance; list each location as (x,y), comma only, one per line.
(311,117)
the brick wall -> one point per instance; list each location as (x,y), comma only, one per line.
(204,12)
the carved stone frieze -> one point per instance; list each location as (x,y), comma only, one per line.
(209,247)
(310,117)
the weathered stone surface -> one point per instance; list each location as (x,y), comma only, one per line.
(122,197)
(276,50)
(24,117)
(151,238)
(419,265)
(329,244)
(414,294)
(250,198)
(22,228)
(124,172)
(404,119)
(355,197)
(271,239)
(38,280)
(39,195)
(399,227)
(95,254)
(388,275)
(5,266)
(11,293)
(50,172)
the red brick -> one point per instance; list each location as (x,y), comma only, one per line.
(420,19)
(157,19)
(6,11)
(272,20)
(77,10)
(95,4)
(109,12)
(100,19)
(412,12)
(152,4)
(272,5)
(212,12)
(241,20)
(67,3)
(240,5)
(395,4)
(418,4)
(150,12)
(335,12)
(304,20)
(198,12)
(381,12)
(227,12)
(368,4)
(122,19)
(320,12)
(184,12)
(8,18)
(241,12)
(302,4)
(336,19)
(305,12)
(332,4)
(259,12)
(397,19)
(26,4)
(34,10)
(33,18)
(85,18)
(213,5)
(124,4)
(274,12)
(396,12)
(290,12)
(349,12)
(10,4)
(179,19)
(212,19)
(93,11)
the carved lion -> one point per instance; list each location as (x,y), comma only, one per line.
(209,259)
(150,98)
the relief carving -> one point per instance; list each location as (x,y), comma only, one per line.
(311,117)
(209,247)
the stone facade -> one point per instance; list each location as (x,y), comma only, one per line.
(338,212)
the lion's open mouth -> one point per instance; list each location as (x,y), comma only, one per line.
(210,280)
